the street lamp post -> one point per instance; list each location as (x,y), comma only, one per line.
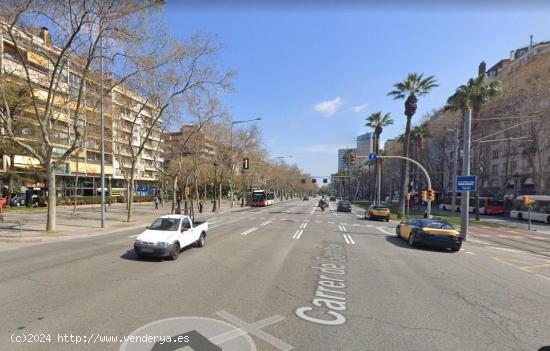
(231,151)
(455,166)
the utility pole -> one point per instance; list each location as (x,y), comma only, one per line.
(455,166)
(464,211)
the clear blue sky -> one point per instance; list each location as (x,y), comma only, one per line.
(290,59)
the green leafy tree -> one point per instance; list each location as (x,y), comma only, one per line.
(414,86)
(472,96)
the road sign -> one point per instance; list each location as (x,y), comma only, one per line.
(372,156)
(466,183)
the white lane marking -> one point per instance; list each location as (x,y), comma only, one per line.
(469,252)
(384,230)
(298,234)
(345,238)
(317,221)
(266,223)
(340,228)
(330,222)
(350,239)
(249,231)
(344,229)
(261,218)
(132,236)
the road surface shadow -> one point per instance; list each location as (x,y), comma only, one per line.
(403,244)
(130,255)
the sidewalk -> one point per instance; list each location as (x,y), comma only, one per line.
(25,227)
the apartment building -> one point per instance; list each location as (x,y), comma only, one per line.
(121,105)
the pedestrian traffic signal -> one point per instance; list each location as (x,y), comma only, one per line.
(325,180)
(527,200)
(245,163)
(352,159)
(313,180)
(424,195)
(431,194)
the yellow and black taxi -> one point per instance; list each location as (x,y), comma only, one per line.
(377,212)
(429,232)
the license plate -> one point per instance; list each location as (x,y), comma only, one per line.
(147,250)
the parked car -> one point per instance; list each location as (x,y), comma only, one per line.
(429,232)
(305,198)
(343,206)
(168,235)
(21,200)
(377,212)
(333,198)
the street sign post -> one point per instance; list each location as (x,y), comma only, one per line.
(466,183)
(372,156)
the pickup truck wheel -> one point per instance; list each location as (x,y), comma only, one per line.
(202,240)
(175,252)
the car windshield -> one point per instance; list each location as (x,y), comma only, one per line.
(436,225)
(165,224)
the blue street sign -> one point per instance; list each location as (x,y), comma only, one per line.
(466,183)
(372,156)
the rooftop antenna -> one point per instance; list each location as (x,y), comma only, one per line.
(531,41)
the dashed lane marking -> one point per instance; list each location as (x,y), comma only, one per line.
(298,234)
(266,223)
(249,231)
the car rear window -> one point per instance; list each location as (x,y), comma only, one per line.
(436,225)
(381,208)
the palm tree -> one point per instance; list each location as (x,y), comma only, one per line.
(419,133)
(472,96)
(410,89)
(378,121)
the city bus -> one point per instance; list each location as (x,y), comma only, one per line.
(540,208)
(487,205)
(262,198)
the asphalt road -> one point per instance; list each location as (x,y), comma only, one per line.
(290,277)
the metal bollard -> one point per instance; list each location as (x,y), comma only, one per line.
(20,230)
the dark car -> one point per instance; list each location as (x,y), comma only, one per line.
(305,198)
(343,206)
(332,198)
(429,232)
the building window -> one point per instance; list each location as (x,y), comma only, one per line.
(494,170)
(515,164)
(58,151)
(26,131)
(495,154)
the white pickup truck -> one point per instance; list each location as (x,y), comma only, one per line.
(168,235)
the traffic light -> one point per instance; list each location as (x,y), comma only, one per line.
(352,159)
(431,194)
(527,200)
(424,195)
(325,180)
(313,180)
(245,163)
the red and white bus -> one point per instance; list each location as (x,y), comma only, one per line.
(487,205)
(540,209)
(262,198)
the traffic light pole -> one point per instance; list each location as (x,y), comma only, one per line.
(429,207)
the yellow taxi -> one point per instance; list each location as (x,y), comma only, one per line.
(429,232)
(377,212)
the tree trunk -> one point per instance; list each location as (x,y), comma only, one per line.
(174,193)
(50,175)
(131,191)
(404,171)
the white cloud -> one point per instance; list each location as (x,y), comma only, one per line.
(328,107)
(360,108)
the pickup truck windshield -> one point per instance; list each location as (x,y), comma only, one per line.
(165,224)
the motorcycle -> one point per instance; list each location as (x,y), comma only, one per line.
(323,205)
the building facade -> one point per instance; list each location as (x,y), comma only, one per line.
(121,106)
(364,144)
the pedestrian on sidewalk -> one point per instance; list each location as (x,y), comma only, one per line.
(3,201)
(157,202)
